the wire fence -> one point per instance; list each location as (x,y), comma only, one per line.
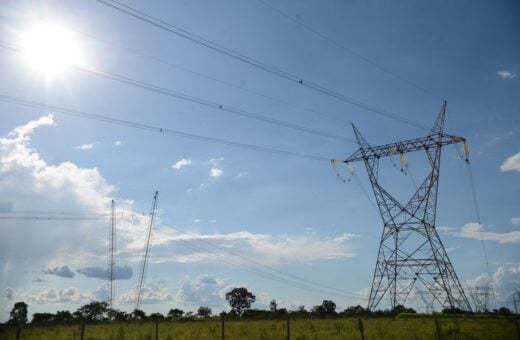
(419,327)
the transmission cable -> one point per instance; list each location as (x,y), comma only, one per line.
(155,129)
(253,62)
(205,76)
(257,263)
(343,47)
(193,99)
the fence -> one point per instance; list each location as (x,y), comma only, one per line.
(335,328)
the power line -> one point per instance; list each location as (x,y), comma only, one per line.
(253,62)
(206,76)
(193,99)
(271,268)
(342,46)
(264,274)
(156,129)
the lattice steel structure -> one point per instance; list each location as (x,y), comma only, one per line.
(411,252)
(111,257)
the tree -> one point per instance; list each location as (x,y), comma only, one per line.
(273,306)
(355,310)
(42,318)
(63,316)
(139,314)
(93,311)
(240,299)
(327,307)
(156,316)
(19,313)
(204,312)
(175,313)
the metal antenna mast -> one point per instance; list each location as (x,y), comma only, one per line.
(147,245)
(112,260)
(411,251)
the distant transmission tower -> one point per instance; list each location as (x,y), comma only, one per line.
(147,246)
(480,296)
(112,259)
(411,251)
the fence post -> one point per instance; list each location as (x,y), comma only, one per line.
(222,332)
(19,331)
(361,329)
(157,329)
(82,333)
(288,329)
(517,329)
(437,329)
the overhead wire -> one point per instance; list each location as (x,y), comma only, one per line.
(205,76)
(193,99)
(257,263)
(156,129)
(255,270)
(128,10)
(343,46)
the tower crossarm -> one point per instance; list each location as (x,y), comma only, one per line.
(410,145)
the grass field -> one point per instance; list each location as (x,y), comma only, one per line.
(300,329)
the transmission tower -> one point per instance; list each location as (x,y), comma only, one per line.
(411,251)
(427,299)
(147,246)
(112,260)
(480,296)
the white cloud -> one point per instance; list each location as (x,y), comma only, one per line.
(266,249)
(476,231)
(215,172)
(117,143)
(28,181)
(242,174)
(506,74)
(504,282)
(515,220)
(206,290)
(182,163)
(512,163)
(9,293)
(197,220)
(85,147)
(216,161)
(120,272)
(63,271)
(152,293)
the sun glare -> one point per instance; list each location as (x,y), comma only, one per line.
(50,49)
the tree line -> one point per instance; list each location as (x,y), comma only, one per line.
(239,299)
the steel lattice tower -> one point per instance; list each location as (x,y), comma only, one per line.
(411,252)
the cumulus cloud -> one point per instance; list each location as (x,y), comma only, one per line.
(120,272)
(9,293)
(267,249)
(504,282)
(506,74)
(182,163)
(85,147)
(117,143)
(28,181)
(152,293)
(63,271)
(512,163)
(206,290)
(215,172)
(476,231)
(515,220)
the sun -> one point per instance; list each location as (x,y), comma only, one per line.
(50,49)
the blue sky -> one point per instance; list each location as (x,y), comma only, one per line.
(285,212)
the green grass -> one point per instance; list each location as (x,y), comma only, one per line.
(301,329)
